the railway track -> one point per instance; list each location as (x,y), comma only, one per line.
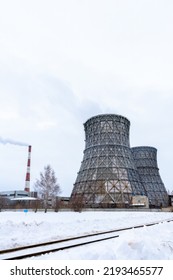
(67,243)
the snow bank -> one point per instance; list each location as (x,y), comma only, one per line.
(156,242)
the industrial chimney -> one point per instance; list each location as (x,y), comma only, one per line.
(27,181)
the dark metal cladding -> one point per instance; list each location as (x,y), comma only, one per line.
(107,176)
(146,162)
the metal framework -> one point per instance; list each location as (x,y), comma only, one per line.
(146,162)
(107,176)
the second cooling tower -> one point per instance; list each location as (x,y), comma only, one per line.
(107,176)
(146,162)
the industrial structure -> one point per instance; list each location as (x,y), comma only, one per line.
(112,173)
(146,162)
(14,194)
(27,181)
(107,176)
(11,198)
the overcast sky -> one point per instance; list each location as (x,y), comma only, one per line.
(64,61)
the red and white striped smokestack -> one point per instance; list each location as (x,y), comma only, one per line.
(27,181)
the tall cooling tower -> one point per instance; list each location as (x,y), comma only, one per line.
(107,176)
(146,163)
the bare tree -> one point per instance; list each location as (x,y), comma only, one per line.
(47,186)
(77,203)
(4,202)
(1,203)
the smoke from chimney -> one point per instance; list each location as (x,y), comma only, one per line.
(12,142)
(17,143)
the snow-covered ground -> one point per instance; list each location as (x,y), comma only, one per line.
(156,242)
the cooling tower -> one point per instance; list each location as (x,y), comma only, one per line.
(107,176)
(146,162)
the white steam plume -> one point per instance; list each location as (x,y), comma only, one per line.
(12,142)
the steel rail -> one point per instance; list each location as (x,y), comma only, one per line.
(5,254)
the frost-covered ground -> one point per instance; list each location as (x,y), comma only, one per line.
(156,242)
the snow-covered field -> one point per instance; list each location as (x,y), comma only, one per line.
(156,242)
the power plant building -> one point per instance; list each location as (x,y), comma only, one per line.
(109,173)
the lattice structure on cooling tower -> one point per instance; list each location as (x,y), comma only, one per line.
(146,163)
(107,176)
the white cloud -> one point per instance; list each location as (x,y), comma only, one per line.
(64,61)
